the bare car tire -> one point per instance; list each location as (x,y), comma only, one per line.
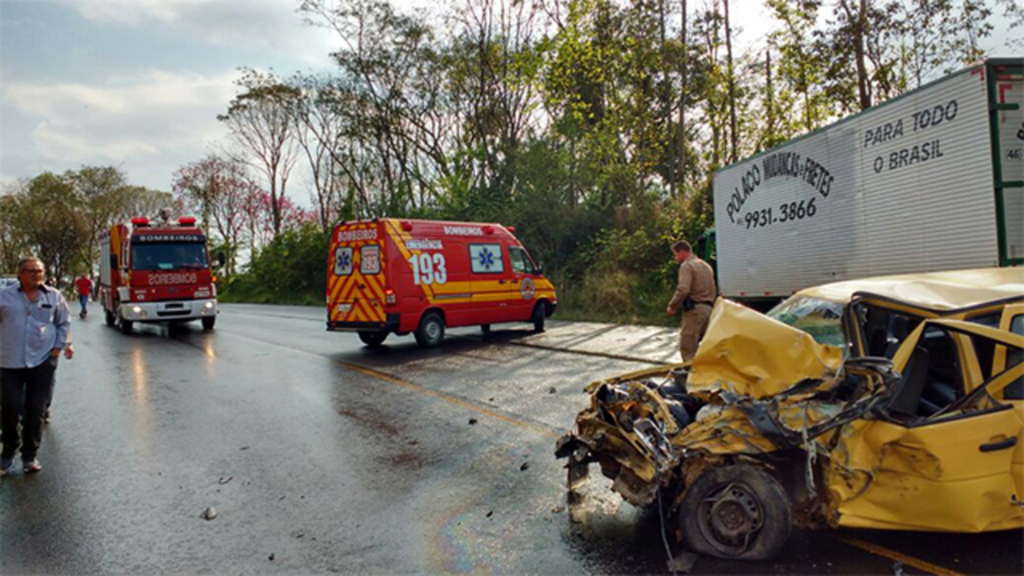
(208,322)
(737,512)
(538,317)
(431,330)
(373,339)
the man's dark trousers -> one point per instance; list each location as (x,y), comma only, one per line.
(27,390)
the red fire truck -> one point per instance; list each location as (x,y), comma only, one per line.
(156,272)
(420,276)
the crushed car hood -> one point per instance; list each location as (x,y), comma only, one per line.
(750,354)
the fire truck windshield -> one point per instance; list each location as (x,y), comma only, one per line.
(168,256)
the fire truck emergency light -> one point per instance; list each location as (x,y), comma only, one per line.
(187,221)
(140,221)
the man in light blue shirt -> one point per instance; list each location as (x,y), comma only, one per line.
(34,328)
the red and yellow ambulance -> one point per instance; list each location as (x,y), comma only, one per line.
(399,276)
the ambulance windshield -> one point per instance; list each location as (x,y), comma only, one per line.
(168,256)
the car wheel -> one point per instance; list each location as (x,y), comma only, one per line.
(538,317)
(208,322)
(126,326)
(431,330)
(373,339)
(110,318)
(736,512)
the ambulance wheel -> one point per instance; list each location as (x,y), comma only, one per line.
(737,512)
(373,339)
(126,326)
(208,322)
(110,318)
(485,328)
(538,317)
(431,330)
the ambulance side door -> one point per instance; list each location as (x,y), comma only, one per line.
(491,279)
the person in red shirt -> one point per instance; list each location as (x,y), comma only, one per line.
(84,286)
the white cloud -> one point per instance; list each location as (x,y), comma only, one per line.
(123,119)
(258,24)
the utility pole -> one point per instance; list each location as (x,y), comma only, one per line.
(682,104)
(732,86)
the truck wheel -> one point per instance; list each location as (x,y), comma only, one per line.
(110,318)
(373,339)
(431,330)
(538,317)
(485,328)
(737,512)
(208,322)
(126,326)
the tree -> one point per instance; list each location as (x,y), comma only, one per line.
(50,216)
(260,123)
(219,190)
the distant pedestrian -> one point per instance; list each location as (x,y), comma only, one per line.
(34,329)
(84,287)
(696,294)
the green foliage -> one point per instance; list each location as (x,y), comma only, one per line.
(291,269)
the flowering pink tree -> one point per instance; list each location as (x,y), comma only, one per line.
(218,190)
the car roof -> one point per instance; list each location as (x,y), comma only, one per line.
(934,290)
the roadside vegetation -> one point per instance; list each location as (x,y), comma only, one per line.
(592,126)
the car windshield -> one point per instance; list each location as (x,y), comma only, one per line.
(168,256)
(819,318)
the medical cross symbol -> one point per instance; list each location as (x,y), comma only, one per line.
(344,260)
(486,259)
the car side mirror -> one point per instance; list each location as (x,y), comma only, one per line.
(221,259)
(540,269)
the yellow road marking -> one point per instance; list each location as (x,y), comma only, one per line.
(893,555)
(449,399)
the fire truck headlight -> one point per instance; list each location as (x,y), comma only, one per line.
(136,309)
(209,305)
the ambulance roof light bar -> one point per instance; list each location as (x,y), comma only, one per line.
(140,221)
(488,229)
(406,225)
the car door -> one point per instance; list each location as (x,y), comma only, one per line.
(491,282)
(1005,357)
(953,470)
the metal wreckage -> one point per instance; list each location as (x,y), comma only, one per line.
(903,411)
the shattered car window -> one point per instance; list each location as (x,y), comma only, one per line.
(819,318)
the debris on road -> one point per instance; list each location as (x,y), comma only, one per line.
(472,421)
(225,479)
(552,390)
(558,509)
(683,562)
(524,466)
(210,513)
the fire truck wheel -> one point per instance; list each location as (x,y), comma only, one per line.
(538,317)
(208,322)
(110,318)
(485,328)
(431,330)
(126,326)
(373,339)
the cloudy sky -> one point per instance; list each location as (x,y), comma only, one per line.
(138,83)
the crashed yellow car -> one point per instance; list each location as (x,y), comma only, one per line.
(889,403)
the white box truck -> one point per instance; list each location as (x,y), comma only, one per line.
(931,180)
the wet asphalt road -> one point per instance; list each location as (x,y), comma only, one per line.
(322,456)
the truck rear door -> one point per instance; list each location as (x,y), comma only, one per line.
(356,279)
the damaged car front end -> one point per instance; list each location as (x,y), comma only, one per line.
(771,427)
